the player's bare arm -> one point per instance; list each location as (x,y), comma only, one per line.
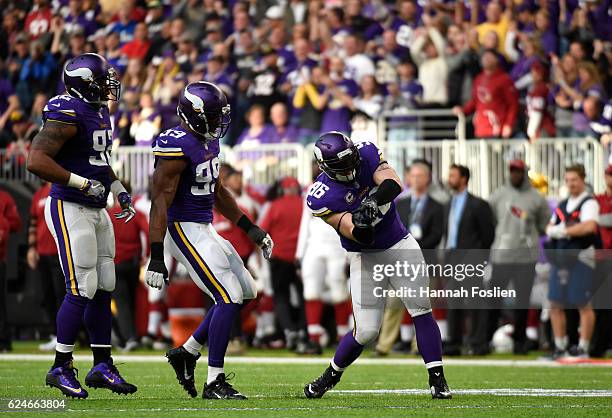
(165,181)
(45,146)
(226,204)
(385,172)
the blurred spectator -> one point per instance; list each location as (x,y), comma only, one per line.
(257,132)
(9,103)
(494,100)
(340,92)
(134,77)
(571,230)
(309,101)
(22,133)
(369,102)
(125,25)
(521,215)
(565,73)
(282,221)
(468,225)
(357,63)
(139,46)
(265,80)
(600,117)
(497,21)
(587,85)
(404,95)
(463,66)
(40,101)
(10,222)
(215,73)
(77,19)
(129,256)
(36,75)
(146,122)
(38,21)
(42,258)
(540,122)
(428,52)
(282,132)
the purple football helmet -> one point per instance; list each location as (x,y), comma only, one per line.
(91,78)
(203,107)
(337,156)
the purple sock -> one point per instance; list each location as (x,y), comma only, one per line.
(219,332)
(99,322)
(429,340)
(348,351)
(69,318)
(201,334)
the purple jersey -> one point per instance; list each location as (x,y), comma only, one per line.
(195,193)
(88,153)
(327,196)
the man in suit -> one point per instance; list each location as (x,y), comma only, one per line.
(468,225)
(423,217)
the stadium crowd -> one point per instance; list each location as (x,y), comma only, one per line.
(291,70)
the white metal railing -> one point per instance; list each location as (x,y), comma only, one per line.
(424,124)
(487,160)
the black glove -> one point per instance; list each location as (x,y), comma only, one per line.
(157,274)
(366,213)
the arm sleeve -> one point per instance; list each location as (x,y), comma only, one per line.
(169,147)
(12,215)
(299,99)
(437,40)
(415,50)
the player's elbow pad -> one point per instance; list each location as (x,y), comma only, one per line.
(388,190)
(364,235)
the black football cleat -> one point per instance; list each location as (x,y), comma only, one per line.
(322,384)
(439,387)
(220,388)
(184,364)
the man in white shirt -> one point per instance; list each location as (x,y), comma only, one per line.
(357,64)
(572,230)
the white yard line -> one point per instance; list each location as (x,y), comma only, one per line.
(314,360)
(572,393)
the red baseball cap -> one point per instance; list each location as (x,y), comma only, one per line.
(289,182)
(517,165)
(609,170)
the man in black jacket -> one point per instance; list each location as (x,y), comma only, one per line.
(423,217)
(468,225)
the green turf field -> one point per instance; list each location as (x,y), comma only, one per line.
(374,388)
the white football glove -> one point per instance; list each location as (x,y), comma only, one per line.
(94,189)
(556,231)
(266,246)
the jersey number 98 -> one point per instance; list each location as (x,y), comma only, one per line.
(206,174)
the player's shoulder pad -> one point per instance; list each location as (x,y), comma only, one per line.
(63,109)
(171,143)
(320,198)
(370,154)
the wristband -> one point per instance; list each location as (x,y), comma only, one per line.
(77,181)
(386,192)
(157,251)
(117,188)
(245,223)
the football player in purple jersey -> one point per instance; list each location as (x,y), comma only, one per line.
(72,151)
(185,188)
(354,194)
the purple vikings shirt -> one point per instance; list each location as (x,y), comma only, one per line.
(327,196)
(88,153)
(194,198)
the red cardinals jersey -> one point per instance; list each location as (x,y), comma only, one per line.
(10,221)
(282,222)
(537,102)
(231,232)
(605,208)
(45,245)
(495,103)
(128,244)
